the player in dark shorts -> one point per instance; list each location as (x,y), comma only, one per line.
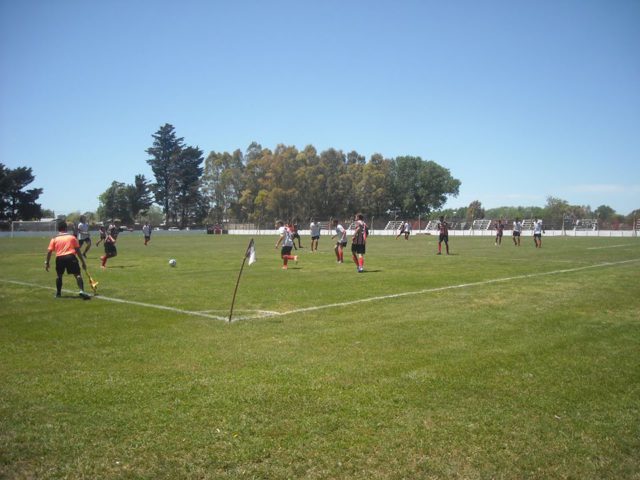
(517,228)
(443,227)
(341,234)
(499,232)
(110,250)
(296,234)
(67,250)
(103,235)
(359,242)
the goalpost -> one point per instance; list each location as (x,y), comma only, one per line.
(23,226)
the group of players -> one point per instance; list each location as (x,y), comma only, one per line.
(69,254)
(538,230)
(288,233)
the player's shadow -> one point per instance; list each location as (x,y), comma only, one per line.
(371,271)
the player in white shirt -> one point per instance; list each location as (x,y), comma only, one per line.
(405,229)
(341,233)
(146,231)
(538,230)
(517,230)
(84,237)
(286,240)
(315,235)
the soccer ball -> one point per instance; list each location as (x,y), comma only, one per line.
(172,262)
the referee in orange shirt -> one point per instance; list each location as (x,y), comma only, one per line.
(67,250)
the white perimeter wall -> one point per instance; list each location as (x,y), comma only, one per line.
(463,233)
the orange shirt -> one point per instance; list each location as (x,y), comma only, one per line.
(64,244)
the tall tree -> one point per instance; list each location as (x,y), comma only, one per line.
(186,185)
(555,211)
(421,186)
(114,203)
(165,153)
(474,211)
(222,184)
(16,203)
(604,213)
(139,196)
(376,183)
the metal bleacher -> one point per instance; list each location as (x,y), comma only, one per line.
(432,225)
(394,225)
(481,224)
(527,224)
(586,224)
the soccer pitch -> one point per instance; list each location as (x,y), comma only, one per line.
(492,362)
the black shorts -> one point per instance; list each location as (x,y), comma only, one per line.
(68,263)
(341,244)
(358,249)
(537,235)
(85,240)
(110,249)
(443,238)
(499,234)
(285,251)
(516,234)
(315,237)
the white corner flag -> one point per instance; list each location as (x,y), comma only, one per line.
(250,255)
(251,252)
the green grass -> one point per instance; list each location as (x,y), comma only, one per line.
(527,377)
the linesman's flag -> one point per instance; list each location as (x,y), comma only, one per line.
(251,252)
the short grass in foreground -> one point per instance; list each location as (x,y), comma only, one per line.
(528,377)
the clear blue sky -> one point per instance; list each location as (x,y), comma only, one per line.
(518,99)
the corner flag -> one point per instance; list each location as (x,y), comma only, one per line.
(250,254)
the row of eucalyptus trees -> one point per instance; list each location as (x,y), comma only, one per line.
(260,184)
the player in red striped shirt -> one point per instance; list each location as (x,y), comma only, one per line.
(443,227)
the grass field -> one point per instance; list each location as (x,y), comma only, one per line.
(488,363)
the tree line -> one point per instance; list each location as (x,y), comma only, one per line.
(260,185)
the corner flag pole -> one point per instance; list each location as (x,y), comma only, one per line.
(249,253)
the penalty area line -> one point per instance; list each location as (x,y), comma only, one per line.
(127,302)
(454,287)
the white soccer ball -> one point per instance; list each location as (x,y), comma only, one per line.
(172,262)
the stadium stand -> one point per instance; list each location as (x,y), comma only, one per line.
(481,224)
(527,224)
(586,224)
(432,225)
(393,225)
(325,225)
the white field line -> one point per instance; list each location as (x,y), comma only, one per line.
(128,302)
(453,287)
(610,246)
(266,314)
